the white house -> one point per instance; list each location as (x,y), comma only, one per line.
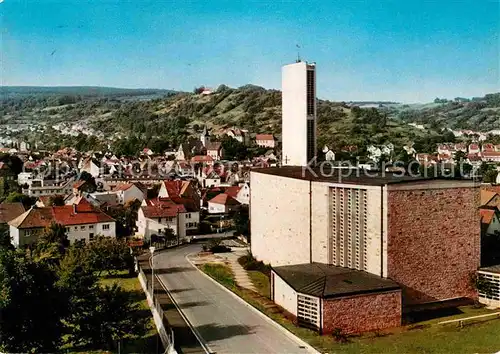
(156,215)
(81,221)
(265,140)
(215,150)
(92,166)
(222,204)
(376,152)
(241,193)
(490,220)
(329,154)
(238,134)
(211,180)
(127,192)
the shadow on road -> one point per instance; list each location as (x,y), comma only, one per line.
(186,305)
(173,270)
(176,291)
(214,332)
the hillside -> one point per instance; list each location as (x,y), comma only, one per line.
(8,92)
(168,120)
(479,113)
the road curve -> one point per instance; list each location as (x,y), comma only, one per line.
(226,325)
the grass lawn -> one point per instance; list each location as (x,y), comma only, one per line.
(261,282)
(145,344)
(429,337)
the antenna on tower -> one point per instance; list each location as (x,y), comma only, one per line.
(298,53)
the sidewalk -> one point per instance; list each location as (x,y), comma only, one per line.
(240,274)
(184,339)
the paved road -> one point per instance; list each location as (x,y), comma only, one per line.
(227,325)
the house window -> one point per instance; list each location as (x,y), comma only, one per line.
(159,220)
(105,227)
(76,228)
(91,227)
(66,229)
(91,236)
(82,228)
(188,216)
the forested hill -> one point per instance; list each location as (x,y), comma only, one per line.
(171,118)
(7,92)
(478,113)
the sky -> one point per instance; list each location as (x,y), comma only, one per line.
(398,50)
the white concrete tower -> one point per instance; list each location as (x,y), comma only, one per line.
(298,114)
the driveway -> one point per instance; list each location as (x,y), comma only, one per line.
(226,325)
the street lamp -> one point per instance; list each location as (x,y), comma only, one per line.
(152,250)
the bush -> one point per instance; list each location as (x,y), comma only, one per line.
(339,335)
(215,246)
(248,262)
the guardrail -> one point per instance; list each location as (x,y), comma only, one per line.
(165,332)
(461,321)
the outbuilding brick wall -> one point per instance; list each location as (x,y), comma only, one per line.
(433,242)
(362,313)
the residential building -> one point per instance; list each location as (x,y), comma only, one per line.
(215,150)
(6,173)
(82,223)
(91,166)
(179,214)
(179,189)
(474,149)
(490,220)
(201,159)
(128,192)
(241,193)
(298,114)
(40,189)
(222,204)
(212,179)
(238,134)
(389,226)
(492,156)
(265,140)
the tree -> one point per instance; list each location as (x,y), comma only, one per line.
(114,317)
(51,244)
(109,254)
(31,305)
(16,197)
(241,222)
(490,176)
(233,149)
(5,241)
(77,279)
(56,200)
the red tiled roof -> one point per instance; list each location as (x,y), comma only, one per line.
(64,215)
(123,187)
(264,137)
(202,158)
(10,211)
(232,191)
(214,145)
(85,214)
(487,215)
(78,184)
(176,188)
(162,210)
(224,199)
(491,153)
